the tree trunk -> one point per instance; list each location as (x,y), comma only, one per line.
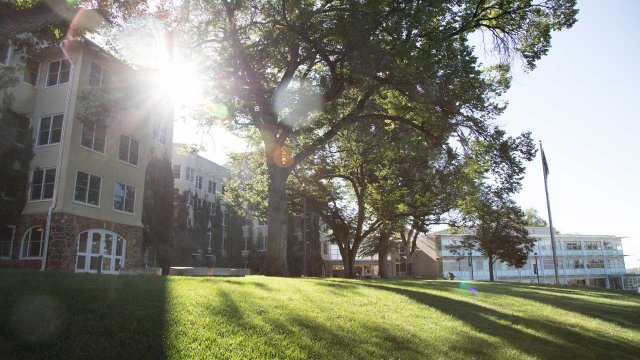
(276,256)
(383,263)
(490,268)
(346,262)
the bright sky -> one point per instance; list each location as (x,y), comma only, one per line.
(580,103)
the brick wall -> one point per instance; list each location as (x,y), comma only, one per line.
(63,241)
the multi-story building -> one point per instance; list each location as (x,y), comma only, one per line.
(364,265)
(202,182)
(86,180)
(588,260)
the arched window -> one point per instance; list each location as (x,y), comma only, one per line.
(31,247)
(96,246)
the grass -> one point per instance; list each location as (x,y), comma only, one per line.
(80,316)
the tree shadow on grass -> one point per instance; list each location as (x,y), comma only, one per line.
(81,316)
(298,334)
(567,342)
(605,309)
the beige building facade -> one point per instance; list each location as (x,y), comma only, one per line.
(86,180)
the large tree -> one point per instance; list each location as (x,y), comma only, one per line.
(157,209)
(299,72)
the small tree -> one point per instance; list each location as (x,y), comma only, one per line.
(157,211)
(500,233)
(533,219)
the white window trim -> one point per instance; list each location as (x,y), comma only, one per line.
(13,237)
(37,137)
(94,141)
(125,196)
(31,184)
(9,56)
(157,141)
(201,183)
(186,174)
(58,82)
(22,244)
(75,183)
(129,150)
(37,73)
(102,69)
(179,172)
(86,254)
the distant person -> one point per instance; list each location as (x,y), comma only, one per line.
(451,276)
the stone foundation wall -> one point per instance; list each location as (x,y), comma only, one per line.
(63,241)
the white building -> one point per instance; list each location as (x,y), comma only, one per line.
(86,180)
(588,260)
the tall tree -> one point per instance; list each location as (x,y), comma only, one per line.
(157,209)
(299,72)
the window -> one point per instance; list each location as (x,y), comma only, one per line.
(87,188)
(615,263)
(93,136)
(129,150)
(32,243)
(31,70)
(212,209)
(159,133)
(548,264)
(189,199)
(189,222)
(176,172)
(5,52)
(592,245)
(574,245)
(95,243)
(124,198)
(59,72)
(99,76)
(325,248)
(6,241)
(211,189)
(261,242)
(190,176)
(222,190)
(595,264)
(575,264)
(199,203)
(198,182)
(50,130)
(612,245)
(42,184)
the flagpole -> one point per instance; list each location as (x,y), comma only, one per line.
(545,171)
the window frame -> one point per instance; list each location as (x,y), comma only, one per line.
(192,171)
(88,253)
(75,185)
(129,150)
(93,137)
(158,132)
(22,243)
(7,60)
(135,190)
(12,238)
(50,130)
(44,175)
(199,181)
(212,185)
(173,169)
(60,61)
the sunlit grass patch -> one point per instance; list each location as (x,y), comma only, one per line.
(259,317)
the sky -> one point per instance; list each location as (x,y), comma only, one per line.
(581,102)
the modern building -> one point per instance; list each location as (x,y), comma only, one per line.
(86,180)
(201,181)
(587,260)
(364,265)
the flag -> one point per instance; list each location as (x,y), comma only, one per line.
(545,166)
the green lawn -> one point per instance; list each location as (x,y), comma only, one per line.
(76,316)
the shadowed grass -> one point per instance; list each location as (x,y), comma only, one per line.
(258,317)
